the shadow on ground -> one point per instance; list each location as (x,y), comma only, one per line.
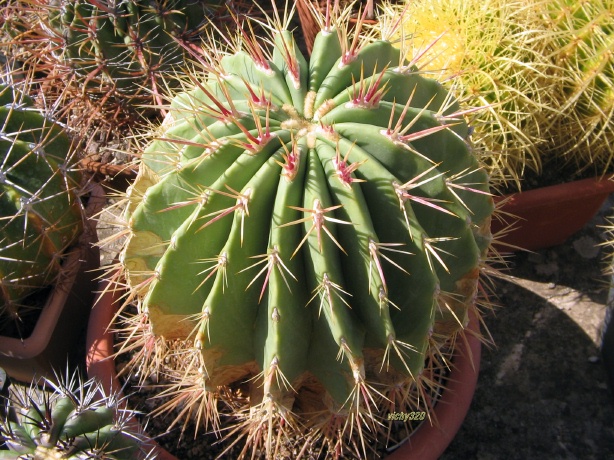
(542,392)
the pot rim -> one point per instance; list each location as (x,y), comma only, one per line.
(25,358)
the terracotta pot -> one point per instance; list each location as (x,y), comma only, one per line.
(428,442)
(431,440)
(99,352)
(60,325)
(547,216)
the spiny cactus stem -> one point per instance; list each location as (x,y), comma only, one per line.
(444,301)
(327,290)
(432,250)
(256,52)
(359,411)
(241,206)
(274,378)
(256,141)
(468,186)
(454,187)
(290,59)
(219,264)
(104,7)
(401,349)
(200,199)
(291,161)
(259,101)
(351,52)
(369,96)
(397,134)
(458,115)
(404,195)
(406,139)
(225,113)
(384,301)
(345,172)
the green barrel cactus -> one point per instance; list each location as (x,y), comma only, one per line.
(73,419)
(313,229)
(127,48)
(40,212)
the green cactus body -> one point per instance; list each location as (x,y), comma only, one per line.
(73,420)
(311,225)
(584,35)
(40,213)
(128,46)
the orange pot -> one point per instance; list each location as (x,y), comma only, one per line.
(548,216)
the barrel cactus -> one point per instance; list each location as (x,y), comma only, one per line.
(73,419)
(306,234)
(41,214)
(127,46)
(583,34)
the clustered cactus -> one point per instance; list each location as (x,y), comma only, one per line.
(307,234)
(41,214)
(71,419)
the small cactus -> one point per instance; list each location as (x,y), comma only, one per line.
(112,59)
(70,419)
(314,229)
(41,214)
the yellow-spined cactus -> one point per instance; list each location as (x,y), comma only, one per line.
(497,54)
(583,34)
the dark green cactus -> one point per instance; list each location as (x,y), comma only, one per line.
(40,213)
(72,419)
(318,227)
(128,47)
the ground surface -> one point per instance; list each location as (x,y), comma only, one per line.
(542,392)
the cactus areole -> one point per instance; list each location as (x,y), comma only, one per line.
(307,225)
